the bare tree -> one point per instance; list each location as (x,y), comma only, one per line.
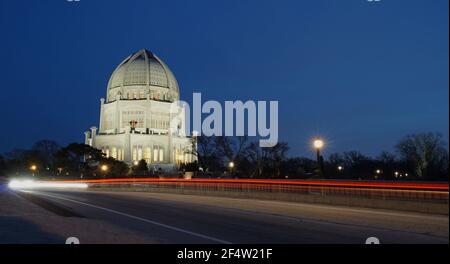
(46,150)
(354,158)
(232,148)
(277,155)
(205,150)
(265,158)
(424,151)
(336,159)
(257,156)
(358,166)
(386,158)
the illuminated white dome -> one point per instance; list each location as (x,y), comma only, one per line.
(137,120)
(143,73)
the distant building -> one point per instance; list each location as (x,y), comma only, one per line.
(135,118)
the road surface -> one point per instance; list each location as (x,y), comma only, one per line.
(175,218)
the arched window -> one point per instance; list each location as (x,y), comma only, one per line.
(161,155)
(155,154)
(134,155)
(107,152)
(119,154)
(148,155)
(139,153)
(114,152)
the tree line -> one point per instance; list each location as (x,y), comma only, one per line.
(47,159)
(422,156)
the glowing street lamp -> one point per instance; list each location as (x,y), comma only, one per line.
(378,172)
(104,168)
(318,144)
(33,169)
(340,168)
(231,166)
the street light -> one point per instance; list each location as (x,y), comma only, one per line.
(377,173)
(231,166)
(33,169)
(340,168)
(318,144)
(104,168)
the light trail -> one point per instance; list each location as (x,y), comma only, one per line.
(384,190)
(337,183)
(31,184)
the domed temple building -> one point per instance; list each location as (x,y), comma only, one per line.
(135,119)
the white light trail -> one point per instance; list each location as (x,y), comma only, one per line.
(31,184)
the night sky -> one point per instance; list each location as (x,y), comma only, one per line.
(361,74)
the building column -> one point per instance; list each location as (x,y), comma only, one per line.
(87,138)
(127,146)
(169,150)
(117,123)
(101,124)
(93,135)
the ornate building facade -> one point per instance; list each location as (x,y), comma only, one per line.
(135,119)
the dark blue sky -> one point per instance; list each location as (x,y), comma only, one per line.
(360,74)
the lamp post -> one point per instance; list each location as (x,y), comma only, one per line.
(378,172)
(104,168)
(231,166)
(33,169)
(318,144)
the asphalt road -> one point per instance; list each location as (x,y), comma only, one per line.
(174,218)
